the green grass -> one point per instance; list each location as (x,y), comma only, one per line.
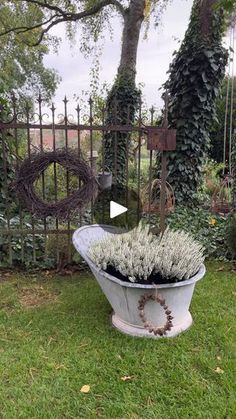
(48,352)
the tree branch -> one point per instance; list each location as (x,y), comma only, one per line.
(119,7)
(47,29)
(95,9)
(91,11)
(62,16)
(21,29)
(46,5)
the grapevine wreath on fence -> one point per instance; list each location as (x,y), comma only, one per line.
(32,168)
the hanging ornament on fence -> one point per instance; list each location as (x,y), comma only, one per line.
(32,168)
(151,197)
(221,201)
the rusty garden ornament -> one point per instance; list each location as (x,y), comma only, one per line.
(163,140)
(157,330)
(221,201)
(151,197)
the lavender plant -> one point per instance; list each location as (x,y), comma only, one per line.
(138,254)
(179,256)
(132,253)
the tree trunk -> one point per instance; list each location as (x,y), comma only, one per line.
(124,97)
(131,32)
(206,14)
(195,77)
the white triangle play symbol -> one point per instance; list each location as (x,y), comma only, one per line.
(116,209)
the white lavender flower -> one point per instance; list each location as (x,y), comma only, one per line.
(179,255)
(138,254)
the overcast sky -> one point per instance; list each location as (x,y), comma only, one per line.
(154,57)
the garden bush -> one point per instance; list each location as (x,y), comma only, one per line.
(207,228)
(212,173)
(133,174)
(60,249)
(231,234)
(22,246)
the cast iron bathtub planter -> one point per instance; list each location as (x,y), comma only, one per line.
(168,304)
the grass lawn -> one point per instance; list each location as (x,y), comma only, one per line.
(55,337)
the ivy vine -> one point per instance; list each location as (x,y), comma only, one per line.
(7,162)
(122,103)
(195,77)
(234,172)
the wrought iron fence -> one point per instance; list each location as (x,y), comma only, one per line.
(26,239)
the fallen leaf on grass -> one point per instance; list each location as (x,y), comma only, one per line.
(196,349)
(220,269)
(50,340)
(31,371)
(60,366)
(127,377)
(149,401)
(234,293)
(82,345)
(85,389)
(218,370)
(219,358)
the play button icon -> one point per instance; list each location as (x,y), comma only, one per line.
(118,206)
(116,209)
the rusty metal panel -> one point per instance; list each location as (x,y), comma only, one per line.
(161,139)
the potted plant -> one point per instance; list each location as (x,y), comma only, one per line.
(149,280)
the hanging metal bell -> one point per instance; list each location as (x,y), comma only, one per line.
(105,180)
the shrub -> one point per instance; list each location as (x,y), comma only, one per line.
(205,227)
(139,255)
(59,248)
(231,234)
(212,172)
(22,257)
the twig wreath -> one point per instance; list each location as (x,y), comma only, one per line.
(31,169)
(161,331)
